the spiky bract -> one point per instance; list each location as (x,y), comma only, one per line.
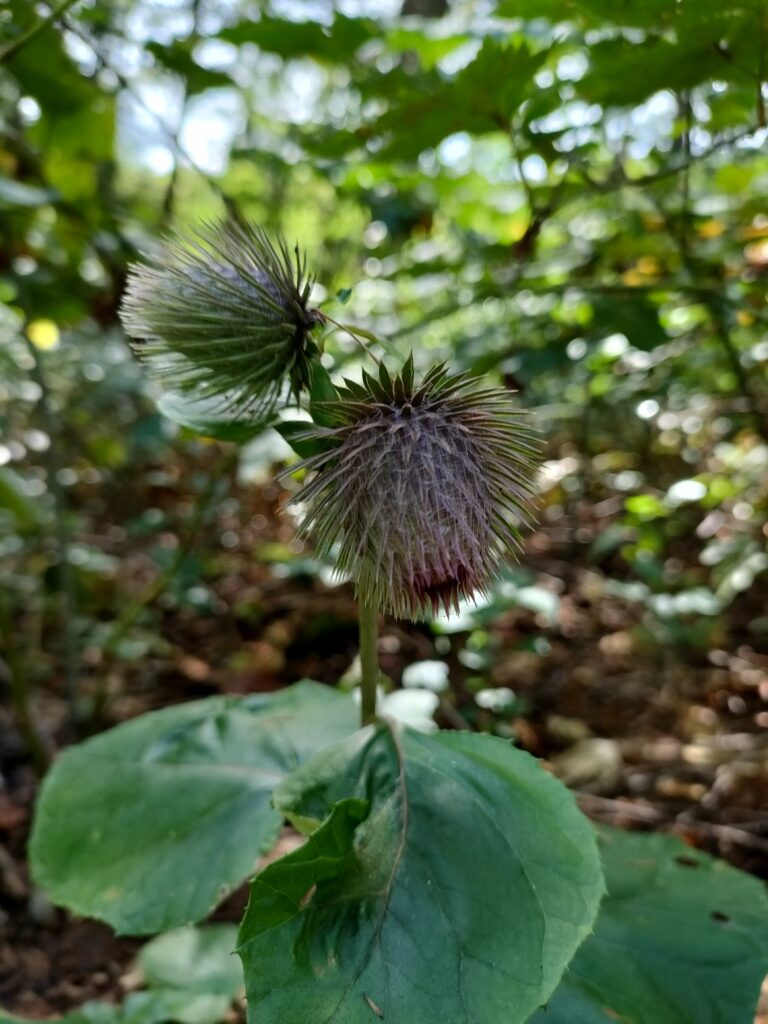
(223,313)
(423,489)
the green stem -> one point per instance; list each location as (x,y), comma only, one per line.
(369,660)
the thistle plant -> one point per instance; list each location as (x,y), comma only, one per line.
(445,876)
(423,488)
(224,313)
(419,492)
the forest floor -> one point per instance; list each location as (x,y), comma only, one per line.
(650,734)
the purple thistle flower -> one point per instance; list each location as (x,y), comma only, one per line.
(223,313)
(422,487)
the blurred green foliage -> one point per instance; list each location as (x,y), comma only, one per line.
(567,196)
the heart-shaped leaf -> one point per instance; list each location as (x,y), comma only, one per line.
(681,938)
(149,825)
(460,896)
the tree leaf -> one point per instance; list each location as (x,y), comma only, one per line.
(624,73)
(210,417)
(481,98)
(177,57)
(149,825)
(633,316)
(336,43)
(430,48)
(460,897)
(681,938)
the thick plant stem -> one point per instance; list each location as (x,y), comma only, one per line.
(369,661)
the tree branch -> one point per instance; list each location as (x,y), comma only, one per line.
(12,49)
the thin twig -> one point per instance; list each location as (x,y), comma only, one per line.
(500,291)
(621,181)
(170,192)
(353,333)
(12,49)
(761,65)
(685,177)
(173,143)
(719,318)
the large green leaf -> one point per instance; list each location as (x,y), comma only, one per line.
(681,939)
(452,880)
(149,825)
(626,73)
(481,98)
(210,417)
(78,148)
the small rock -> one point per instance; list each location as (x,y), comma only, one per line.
(593,764)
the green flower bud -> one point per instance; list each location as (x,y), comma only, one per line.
(422,488)
(223,313)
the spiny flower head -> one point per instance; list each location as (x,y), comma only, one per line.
(224,313)
(421,488)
